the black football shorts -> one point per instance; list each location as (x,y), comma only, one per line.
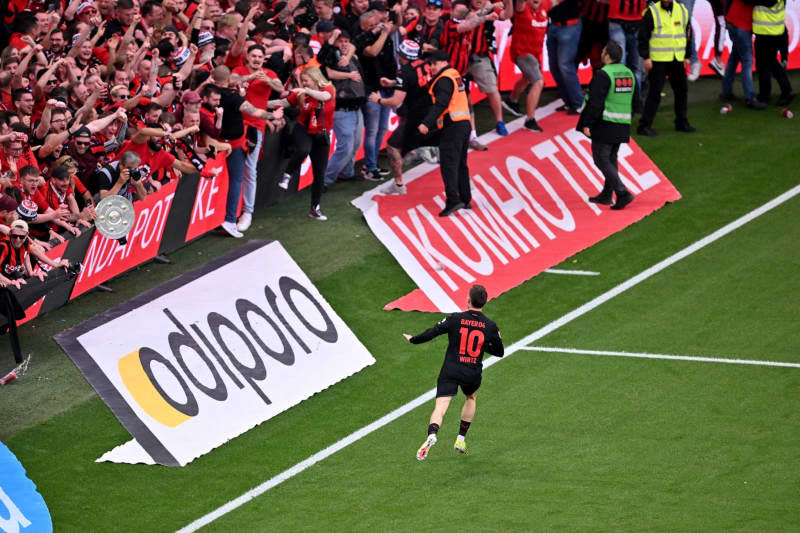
(453,376)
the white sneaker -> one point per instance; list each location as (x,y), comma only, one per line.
(413,157)
(422,453)
(717,66)
(475,144)
(284,183)
(694,71)
(230,229)
(460,446)
(394,188)
(428,155)
(315,213)
(244,221)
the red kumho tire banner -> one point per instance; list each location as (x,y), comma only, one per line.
(530,212)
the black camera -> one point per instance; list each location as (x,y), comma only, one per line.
(73,270)
(308,18)
(135,174)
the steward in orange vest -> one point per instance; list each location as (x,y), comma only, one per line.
(450,113)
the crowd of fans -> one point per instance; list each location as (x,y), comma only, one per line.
(118,97)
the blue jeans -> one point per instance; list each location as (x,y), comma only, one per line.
(235,164)
(629,42)
(348,127)
(690,7)
(562,47)
(376,122)
(742,52)
(250,174)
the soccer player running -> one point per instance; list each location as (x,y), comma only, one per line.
(470,334)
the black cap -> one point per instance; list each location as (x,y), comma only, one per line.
(60,173)
(324,25)
(82,131)
(437,55)
(378,6)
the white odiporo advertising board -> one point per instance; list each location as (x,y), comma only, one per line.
(207,356)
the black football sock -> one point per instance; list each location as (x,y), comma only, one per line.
(463,429)
(433,429)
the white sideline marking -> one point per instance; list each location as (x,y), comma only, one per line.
(660,356)
(572,272)
(520,344)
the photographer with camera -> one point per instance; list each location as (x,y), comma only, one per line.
(378,58)
(123,178)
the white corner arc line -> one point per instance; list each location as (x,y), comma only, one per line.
(572,272)
(660,356)
(541,332)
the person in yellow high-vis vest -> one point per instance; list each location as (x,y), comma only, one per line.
(769,27)
(664,46)
(450,114)
(606,120)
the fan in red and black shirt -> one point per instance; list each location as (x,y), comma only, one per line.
(59,195)
(317,102)
(15,257)
(457,43)
(34,200)
(155,159)
(88,153)
(428,31)
(260,83)
(529,26)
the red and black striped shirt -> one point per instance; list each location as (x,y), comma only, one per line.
(594,10)
(457,45)
(482,41)
(626,9)
(12,260)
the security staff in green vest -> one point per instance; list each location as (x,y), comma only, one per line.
(769,26)
(606,119)
(664,46)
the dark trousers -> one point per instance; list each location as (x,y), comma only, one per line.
(680,87)
(317,148)
(605,158)
(235,164)
(766,52)
(453,162)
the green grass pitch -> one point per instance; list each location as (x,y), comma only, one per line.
(561,442)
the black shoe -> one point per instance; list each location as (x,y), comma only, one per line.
(573,111)
(345,178)
(532,125)
(756,105)
(512,107)
(686,128)
(605,199)
(467,205)
(622,201)
(371,175)
(562,107)
(785,99)
(646,130)
(727,97)
(447,211)
(383,171)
